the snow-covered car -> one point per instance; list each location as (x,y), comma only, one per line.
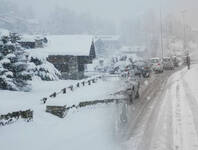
(176,61)
(134,85)
(120,67)
(168,63)
(144,68)
(157,65)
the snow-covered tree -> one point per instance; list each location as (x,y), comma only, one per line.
(42,68)
(13,65)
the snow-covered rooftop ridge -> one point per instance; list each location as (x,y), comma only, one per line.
(76,45)
(107,37)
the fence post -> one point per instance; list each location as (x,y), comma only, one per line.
(53,95)
(71,87)
(89,82)
(78,84)
(64,91)
(44,100)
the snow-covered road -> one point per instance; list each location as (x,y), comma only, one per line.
(166,116)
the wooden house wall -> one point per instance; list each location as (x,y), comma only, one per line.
(68,66)
(72,67)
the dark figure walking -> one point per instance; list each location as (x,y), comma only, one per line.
(188,61)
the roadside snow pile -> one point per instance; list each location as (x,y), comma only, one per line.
(114,64)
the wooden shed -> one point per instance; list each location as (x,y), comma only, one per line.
(70,53)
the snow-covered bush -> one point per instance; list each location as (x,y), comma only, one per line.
(13,65)
(42,68)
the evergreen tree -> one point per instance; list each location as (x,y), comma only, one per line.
(42,68)
(13,65)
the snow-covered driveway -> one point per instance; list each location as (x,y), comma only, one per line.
(168,119)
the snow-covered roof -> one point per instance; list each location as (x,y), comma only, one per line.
(107,37)
(30,38)
(76,45)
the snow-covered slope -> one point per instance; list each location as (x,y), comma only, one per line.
(88,128)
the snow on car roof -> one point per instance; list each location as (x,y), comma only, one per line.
(155,58)
(166,57)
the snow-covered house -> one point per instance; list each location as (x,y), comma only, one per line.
(31,41)
(69,54)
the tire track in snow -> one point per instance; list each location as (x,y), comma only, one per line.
(143,130)
(143,120)
(163,134)
(193,104)
(177,121)
(185,134)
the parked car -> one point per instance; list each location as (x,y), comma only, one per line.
(157,65)
(168,63)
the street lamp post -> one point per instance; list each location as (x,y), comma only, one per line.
(161,31)
(184,30)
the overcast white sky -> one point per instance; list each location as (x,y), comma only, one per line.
(118,9)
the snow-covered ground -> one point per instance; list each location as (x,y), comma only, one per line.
(169,120)
(86,128)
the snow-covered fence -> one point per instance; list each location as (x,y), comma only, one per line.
(96,102)
(14,116)
(61,111)
(80,84)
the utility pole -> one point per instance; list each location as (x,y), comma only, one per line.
(161,30)
(183,17)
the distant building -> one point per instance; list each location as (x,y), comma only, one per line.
(139,51)
(31,41)
(69,54)
(107,44)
